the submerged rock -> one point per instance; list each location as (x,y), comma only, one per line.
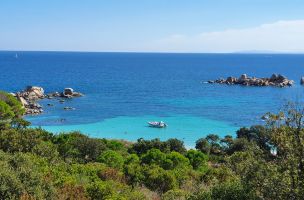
(68,108)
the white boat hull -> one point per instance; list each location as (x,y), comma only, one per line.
(157,124)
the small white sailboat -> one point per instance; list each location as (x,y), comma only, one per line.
(160,124)
(16,56)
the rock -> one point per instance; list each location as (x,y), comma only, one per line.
(281,78)
(77,94)
(31,94)
(230,80)
(35,92)
(54,94)
(22,101)
(302,80)
(13,94)
(273,77)
(68,91)
(243,77)
(69,108)
(28,98)
(275,80)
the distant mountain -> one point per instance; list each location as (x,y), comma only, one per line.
(268,52)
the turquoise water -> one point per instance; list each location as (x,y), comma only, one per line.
(125,90)
(185,128)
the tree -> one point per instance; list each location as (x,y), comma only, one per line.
(100,191)
(287,139)
(11,112)
(111,158)
(239,144)
(158,179)
(14,140)
(20,176)
(174,194)
(226,142)
(258,134)
(133,173)
(77,146)
(154,156)
(142,146)
(176,160)
(197,159)
(232,191)
(6,115)
(203,145)
(176,145)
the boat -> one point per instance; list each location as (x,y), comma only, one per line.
(160,124)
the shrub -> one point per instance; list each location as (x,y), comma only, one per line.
(111,159)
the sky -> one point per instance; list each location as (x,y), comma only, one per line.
(206,26)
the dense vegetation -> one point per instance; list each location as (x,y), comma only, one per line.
(262,162)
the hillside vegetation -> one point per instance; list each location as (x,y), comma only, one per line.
(262,162)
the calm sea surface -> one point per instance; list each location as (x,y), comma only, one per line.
(125,90)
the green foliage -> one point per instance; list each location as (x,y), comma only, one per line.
(154,156)
(112,159)
(19,176)
(158,179)
(11,112)
(175,145)
(13,140)
(78,147)
(100,191)
(6,115)
(263,162)
(197,159)
(174,194)
(143,146)
(258,134)
(167,161)
(13,103)
(232,191)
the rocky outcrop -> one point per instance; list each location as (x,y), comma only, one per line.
(67,93)
(32,94)
(302,80)
(29,97)
(276,80)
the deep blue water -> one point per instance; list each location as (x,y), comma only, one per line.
(127,87)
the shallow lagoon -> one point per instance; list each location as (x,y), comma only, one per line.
(185,128)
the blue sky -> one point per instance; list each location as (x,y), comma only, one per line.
(152,25)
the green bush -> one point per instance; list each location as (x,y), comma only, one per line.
(112,159)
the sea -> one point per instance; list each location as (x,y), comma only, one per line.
(123,91)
